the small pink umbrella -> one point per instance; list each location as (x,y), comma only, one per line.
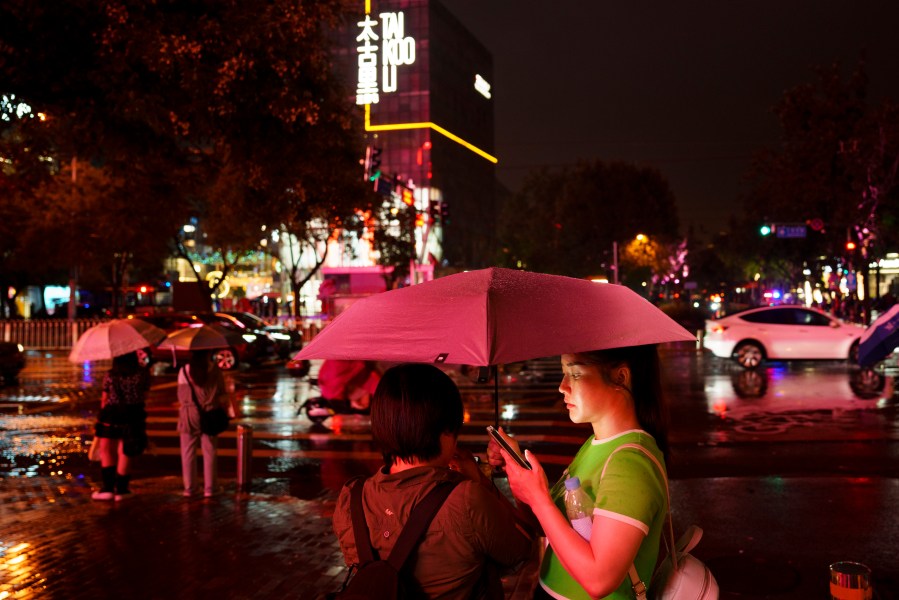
(491,317)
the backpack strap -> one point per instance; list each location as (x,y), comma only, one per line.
(360,527)
(636,583)
(419,520)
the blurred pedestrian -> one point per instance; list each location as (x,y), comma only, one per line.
(349,382)
(416,417)
(121,426)
(618,392)
(201,382)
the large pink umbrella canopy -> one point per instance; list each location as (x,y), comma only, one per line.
(491,317)
(115,338)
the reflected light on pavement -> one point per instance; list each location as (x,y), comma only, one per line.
(14,567)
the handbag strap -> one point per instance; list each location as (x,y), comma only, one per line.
(636,583)
(419,520)
(193,393)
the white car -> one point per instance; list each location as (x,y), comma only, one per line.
(781,333)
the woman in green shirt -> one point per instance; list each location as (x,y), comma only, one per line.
(617,391)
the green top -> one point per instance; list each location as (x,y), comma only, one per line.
(632,491)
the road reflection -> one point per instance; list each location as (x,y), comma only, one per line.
(779,388)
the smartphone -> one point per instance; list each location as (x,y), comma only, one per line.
(501,440)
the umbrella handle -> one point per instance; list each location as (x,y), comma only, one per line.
(495,397)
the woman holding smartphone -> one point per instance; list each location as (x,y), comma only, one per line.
(617,391)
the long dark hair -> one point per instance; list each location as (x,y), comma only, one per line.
(646,386)
(200,366)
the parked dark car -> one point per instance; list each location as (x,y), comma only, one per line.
(12,360)
(253,350)
(286,341)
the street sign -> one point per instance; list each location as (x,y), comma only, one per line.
(790,231)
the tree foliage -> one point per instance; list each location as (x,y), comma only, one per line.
(565,221)
(228,111)
(835,170)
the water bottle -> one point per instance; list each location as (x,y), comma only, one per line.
(578,507)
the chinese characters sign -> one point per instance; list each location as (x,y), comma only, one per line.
(386,37)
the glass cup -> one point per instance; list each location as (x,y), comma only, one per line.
(850,581)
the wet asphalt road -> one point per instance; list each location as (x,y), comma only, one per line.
(788,468)
(803,419)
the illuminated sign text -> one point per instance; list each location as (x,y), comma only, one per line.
(396,50)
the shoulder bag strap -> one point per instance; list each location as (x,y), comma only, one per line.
(636,583)
(360,527)
(193,393)
(418,523)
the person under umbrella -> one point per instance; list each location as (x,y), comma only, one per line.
(617,391)
(200,382)
(121,427)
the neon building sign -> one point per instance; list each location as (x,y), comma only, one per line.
(376,75)
(396,50)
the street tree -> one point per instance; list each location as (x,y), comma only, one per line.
(209,109)
(835,169)
(565,221)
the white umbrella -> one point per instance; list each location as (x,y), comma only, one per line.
(207,337)
(115,338)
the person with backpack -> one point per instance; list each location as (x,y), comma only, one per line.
(475,533)
(618,392)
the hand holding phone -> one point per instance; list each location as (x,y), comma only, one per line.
(505,445)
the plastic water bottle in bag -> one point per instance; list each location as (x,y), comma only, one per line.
(578,507)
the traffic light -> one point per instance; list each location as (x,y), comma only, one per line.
(433,210)
(850,245)
(374,169)
(444,212)
(406,195)
(765,230)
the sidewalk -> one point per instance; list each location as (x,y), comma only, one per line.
(765,538)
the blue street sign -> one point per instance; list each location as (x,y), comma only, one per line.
(789,231)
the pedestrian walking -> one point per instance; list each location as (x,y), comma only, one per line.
(618,392)
(416,417)
(200,382)
(121,427)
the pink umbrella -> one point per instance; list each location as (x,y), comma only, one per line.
(491,317)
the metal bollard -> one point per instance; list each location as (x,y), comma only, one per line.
(244,458)
(700,333)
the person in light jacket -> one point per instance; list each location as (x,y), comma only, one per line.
(199,378)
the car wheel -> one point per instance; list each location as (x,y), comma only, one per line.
(853,354)
(226,359)
(750,383)
(749,355)
(867,384)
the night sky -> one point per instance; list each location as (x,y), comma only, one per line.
(686,86)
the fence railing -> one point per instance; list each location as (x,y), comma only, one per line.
(59,334)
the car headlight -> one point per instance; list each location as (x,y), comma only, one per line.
(279,336)
(249,337)
(20,347)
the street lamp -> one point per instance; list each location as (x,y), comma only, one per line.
(639,238)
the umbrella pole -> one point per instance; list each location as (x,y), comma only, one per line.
(495,396)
